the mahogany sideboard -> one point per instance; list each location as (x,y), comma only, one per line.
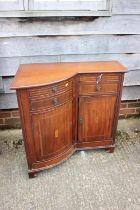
(66,107)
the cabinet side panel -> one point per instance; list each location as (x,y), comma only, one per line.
(23,102)
(118,105)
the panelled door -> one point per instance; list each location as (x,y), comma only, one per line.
(52,131)
(96,117)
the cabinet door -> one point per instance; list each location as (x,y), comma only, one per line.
(52,131)
(96,118)
(6,5)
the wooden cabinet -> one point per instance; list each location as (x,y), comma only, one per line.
(67,107)
(98,94)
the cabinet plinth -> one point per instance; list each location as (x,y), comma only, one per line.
(67,107)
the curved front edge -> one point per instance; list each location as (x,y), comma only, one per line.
(38,166)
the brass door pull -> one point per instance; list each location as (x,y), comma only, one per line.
(55,101)
(54,89)
(99,78)
(80,120)
(98,88)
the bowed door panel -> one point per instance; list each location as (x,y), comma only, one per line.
(52,131)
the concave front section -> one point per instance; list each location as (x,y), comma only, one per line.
(52,132)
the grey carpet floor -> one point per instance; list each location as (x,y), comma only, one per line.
(90,180)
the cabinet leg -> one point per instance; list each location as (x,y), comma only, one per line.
(110,149)
(32,174)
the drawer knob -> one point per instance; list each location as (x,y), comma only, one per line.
(98,88)
(67,84)
(55,101)
(54,89)
(99,78)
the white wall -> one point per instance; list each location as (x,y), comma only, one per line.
(28,40)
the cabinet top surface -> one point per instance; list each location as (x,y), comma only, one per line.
(33,75)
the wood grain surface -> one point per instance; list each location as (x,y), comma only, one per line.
(30,75)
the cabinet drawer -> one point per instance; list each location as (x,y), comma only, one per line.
(88,89)
(51,90)
(99,77)
(50,103)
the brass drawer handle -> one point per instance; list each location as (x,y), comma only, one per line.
(54,89)
(67,84)
(98,88)
(55,101)
(99,78)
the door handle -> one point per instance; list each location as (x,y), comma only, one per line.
(98,88)
(80,120)
(99,78)
(54,89)
(55,101)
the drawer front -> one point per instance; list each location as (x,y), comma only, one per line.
(89,89)
(97,78)
(50,90)
(50,103)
